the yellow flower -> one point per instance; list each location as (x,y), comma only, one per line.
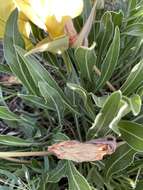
(6,7)
(50,15)
(25,29)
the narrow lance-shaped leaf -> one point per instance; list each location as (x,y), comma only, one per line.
(14,141)
(82,37)
(87,9)
(124,109)
(40,74)
(85,97)
(117,18)
(86,59)
(37,71)
(59,172)
(49,92)
(106,115)
(140,91)
(6,114)
(135,104)
(110,60)
(139,185)
(134,80)
(118,161)
(38,101)
(105,35)
(127,105)
(12,37)
(99,101)
(75,179)
(135,29)
(57,46)
(132,133)
(67,169)
(95,177)
(4,68)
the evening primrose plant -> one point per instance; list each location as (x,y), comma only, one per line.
(71,102)
(24,25)
(49,15)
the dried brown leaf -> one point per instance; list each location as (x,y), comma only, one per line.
(9,80)
(83,152)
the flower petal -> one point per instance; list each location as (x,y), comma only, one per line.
(25,29)
(6,7)
(26,7)
(55,28)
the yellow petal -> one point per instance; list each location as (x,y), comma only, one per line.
(6,7)
(26,7)
(52,13)
(55,28)
(62,8)
(60,12)
(25,29)
(24,26)
(76,8)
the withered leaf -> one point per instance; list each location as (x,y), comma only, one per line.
(70,31)
(83,152)
(9,80)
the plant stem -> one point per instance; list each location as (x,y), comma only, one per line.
(67,61)
(23,154)
(98,72)
(16,160)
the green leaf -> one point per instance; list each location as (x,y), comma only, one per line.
(81,91)
(135,29)
(94,177)
(12,37)
(58,137)
(106,115)
(14,141)
(75,179)
(6,114)
(40,74)
(110,60)
(56,46)
(100,4)
(118,161)
(38,101)
(105,35)
(83,35)
(59,172)
(4,68)
(49,92)
(84,96)
(86,59)
(99,101)
(4,187)
(139,185)
(140,91)
(134,80)
(37,71)
(132,133)
(10,176)
(126,106)
(124,109)
(135,15)
(117,18)
(87,9)
(136,104)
